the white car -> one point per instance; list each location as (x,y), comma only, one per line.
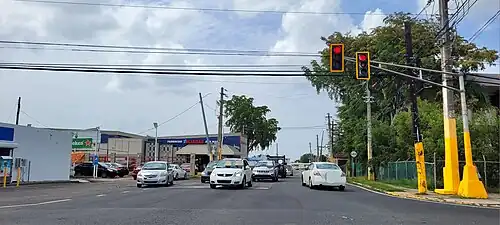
(323,174)
(155,173)
(178,172)
(231,172)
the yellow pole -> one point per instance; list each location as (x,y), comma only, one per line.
(18,176)
(420,161)
(5,171)
(470,186)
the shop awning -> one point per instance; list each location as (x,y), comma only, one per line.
(202,150)
(8,144)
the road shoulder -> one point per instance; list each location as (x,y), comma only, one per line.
(401,192)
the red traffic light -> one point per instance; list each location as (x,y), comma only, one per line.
(336,58)
(362,57)
(337,50)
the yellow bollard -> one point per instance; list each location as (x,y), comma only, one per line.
(18,176)
(5,171)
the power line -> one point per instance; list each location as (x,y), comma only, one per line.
(485,25)
(161,49)
(153,65)
(26,114)
(198,9)
(177,115)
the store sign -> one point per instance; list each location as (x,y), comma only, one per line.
(179,141)
(82,143)
(195,141)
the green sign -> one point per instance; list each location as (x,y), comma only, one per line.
(82,143)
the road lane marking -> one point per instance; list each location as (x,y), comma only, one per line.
(124,192)
(35,204)
(101,195)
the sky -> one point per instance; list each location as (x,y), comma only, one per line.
(132,103)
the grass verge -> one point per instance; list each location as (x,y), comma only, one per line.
(374,185)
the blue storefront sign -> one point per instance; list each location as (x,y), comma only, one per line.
(6,134)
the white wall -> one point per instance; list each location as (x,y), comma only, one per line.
(122,146)
(49,152)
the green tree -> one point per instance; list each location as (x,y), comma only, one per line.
(243,116)
(391,119)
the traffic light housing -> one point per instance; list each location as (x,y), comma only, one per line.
(362,65)
(336,58)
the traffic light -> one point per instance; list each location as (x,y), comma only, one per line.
(362,65)
(336,58)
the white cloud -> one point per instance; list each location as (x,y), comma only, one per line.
(132,103)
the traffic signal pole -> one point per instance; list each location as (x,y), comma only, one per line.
(470,186)
(419,146)
(451,176)
(371,175)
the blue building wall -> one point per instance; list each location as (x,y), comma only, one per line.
(181,142)
(6,134)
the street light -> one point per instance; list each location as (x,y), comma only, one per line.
(156,140)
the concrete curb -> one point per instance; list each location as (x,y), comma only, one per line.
(44,182)
(424,198)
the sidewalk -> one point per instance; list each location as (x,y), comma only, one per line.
(493,200)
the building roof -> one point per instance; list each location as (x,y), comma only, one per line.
(197,136)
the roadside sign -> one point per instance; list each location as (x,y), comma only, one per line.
(95,161)
(82,143)
(354,154)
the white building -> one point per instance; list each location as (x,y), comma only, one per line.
(42,154)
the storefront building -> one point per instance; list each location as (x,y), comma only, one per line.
(39,154)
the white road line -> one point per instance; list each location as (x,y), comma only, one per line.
(124,192)
(35,204)
(101,195)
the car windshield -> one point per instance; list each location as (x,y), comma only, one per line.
(267,164)
(327,166)
(210,165)
(106,165)
(229,164)
(116,164)
(154,166)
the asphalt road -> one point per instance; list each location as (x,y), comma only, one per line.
(192,203)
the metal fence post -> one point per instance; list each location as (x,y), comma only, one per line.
(396,169)
(485,175)
(434,170)
(406,169)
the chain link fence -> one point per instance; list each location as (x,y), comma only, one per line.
(489,173)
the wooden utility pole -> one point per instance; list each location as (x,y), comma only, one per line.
(18,110)
(209,145)
(369,130)
(330,136)
(221,119)
(317,148)
(310,151)
(321,146)
(418,145)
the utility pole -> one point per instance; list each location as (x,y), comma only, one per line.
(18,110)
(330,136)
(321,146)
(369,130)
(450,171)
(221,119)
(209,145)
(310,151)
(317,148)
(276,148)
(419,147)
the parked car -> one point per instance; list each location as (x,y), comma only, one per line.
(121,169)
(231,172)
(87,169)
(178,172)
(323,174)
(265,169)
(205,175)
(186,167)
(155,173)
(135,171)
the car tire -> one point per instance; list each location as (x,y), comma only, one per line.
(172,181)
(311,186)
(185,176)
(121,175)
(176,177)
(202,181)
(243,183)
(213,186)
(104,175)
(302,181)
(250,183)
(135,177)
(139,185)
(341,188)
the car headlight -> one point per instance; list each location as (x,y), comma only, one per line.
(163,174)
(238,174)
(204,173)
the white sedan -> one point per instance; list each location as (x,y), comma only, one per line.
(323,174)
(179,173)
(231,172)
(155,173)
